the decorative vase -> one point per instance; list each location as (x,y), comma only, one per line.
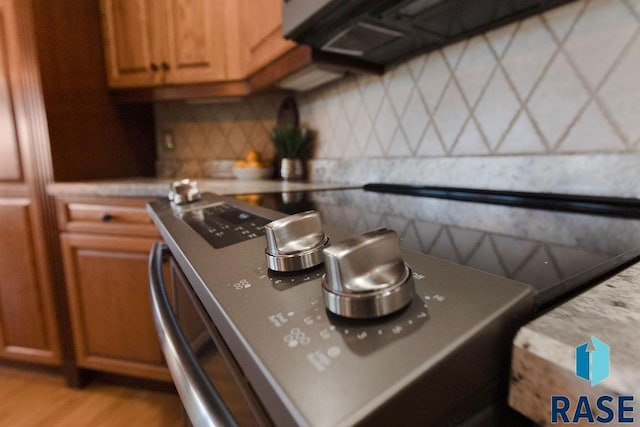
(291,169)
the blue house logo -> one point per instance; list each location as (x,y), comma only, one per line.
(592,364)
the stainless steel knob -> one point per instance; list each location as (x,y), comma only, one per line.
(295,242)
(184,191)
(366,276)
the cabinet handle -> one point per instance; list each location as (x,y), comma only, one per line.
(165,66)
(154,67)
(106,217)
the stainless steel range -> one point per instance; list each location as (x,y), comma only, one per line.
(335,326)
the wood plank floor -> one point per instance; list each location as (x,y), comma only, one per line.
(35,398)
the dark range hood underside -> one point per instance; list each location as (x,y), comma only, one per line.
(386,32)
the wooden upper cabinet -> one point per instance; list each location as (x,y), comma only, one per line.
(131,52)
(196,41)
(261,22)
(155,42)
(10,169)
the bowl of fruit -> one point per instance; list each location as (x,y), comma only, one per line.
(252,167)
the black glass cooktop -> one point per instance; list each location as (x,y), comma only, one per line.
(546,241)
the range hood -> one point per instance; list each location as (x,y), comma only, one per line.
(384,32)
(314,68)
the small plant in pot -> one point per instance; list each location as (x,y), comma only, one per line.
(293,144)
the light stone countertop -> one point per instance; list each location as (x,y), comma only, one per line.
(159,187)
(544,351)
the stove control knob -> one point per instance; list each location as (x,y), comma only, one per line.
(366,276)
(184,191)
(295,242)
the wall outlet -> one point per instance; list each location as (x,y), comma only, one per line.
(167,140)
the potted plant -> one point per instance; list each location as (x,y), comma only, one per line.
(293,144)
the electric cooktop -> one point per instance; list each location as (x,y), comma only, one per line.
(558,244)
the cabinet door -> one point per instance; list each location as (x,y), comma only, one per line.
(133,51)
(10,169)
(27,321)
(28,324)
(107,287)
(196,41)
(262,31)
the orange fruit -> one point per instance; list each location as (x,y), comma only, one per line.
(254,164)
(252,156)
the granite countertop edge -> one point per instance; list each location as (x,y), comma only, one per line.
(159,187)
(544,350)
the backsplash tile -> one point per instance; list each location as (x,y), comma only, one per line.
(622,99)
(518,89)
(475,69)
(598,38)
(527,55)
(497,109)
(563,83)
(208,137)
(557,101)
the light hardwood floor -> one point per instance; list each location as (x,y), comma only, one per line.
(35,398)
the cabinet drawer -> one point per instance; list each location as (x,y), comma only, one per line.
(105,216)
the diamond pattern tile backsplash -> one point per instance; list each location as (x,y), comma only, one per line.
(565,82)
(208,137)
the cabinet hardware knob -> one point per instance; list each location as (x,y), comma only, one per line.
(165,66)
(154,67)
(106,217)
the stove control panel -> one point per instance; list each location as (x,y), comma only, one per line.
(225,225)
(295,242)
(322,343)
(366,276)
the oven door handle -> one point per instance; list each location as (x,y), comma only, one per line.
(201,400)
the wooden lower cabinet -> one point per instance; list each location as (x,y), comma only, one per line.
(107,285)
(28,330)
